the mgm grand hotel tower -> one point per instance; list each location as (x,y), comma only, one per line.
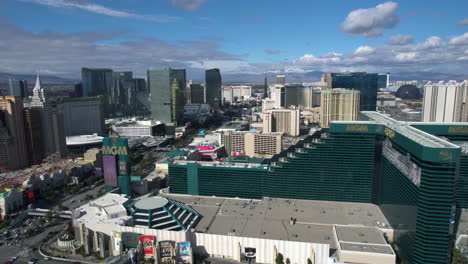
(417,173)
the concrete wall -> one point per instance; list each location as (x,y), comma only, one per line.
(366,258)
(220,245)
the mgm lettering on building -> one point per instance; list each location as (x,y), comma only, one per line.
(115,162)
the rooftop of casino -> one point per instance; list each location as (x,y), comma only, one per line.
(404,128)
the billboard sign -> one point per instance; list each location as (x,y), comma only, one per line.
(117,239)
(130,240)
(165,248)
(147,243)
(402,162)
(184,250)
(110,170)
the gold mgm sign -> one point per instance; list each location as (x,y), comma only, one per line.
(357,128)
(458,129)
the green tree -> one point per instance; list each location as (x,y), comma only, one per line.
(458,257)
(4,224)
(288,261)
(279,259)
(309,261)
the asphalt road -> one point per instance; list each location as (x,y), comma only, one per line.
(26,253)
(77,200)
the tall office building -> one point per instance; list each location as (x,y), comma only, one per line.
(281,79)
(82,116)
(11,108)
(298,95)
(278,94)
(124,87)
(197,93)
(7,151)
(77,90)
(213,87)
(52,122)
(446,102)
(236,93)
(282,120)
(188,92)
(339,104)
(100,82)
(18,88)
(140,84)
(366,83)
(33,135)
(383,80)
(167,87)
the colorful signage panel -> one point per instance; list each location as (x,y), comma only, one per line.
(147,243)
(130,240)
(165,249)
(184,250)
(117,239)
(110,170)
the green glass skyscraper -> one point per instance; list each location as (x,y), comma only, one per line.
(165,84)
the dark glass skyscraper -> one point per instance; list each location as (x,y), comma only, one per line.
(18,88)
(367,83)
(382,81)
(100,82)
(124,89)
(197,92)
(167,87)
(213,86)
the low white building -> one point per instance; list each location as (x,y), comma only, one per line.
(226,228)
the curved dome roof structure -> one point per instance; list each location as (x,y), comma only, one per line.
(408,91)
(163,213)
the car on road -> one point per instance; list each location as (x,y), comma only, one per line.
(8,262)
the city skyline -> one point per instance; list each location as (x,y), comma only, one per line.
(59,36)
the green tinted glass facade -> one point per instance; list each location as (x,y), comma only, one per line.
(337,168)
(416,179)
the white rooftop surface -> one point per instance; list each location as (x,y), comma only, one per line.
(84,140)
(269,218)
(421,137)
(222,164)
(107,209)
(151,203)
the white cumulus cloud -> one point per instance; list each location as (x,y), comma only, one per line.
(431,43)
(400,39)
(459,40)
(364,51)
(371,22)
(406,56)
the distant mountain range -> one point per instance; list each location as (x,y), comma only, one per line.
(291,77)
(314,76)
(48,80)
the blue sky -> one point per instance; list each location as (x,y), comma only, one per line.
(61,36)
